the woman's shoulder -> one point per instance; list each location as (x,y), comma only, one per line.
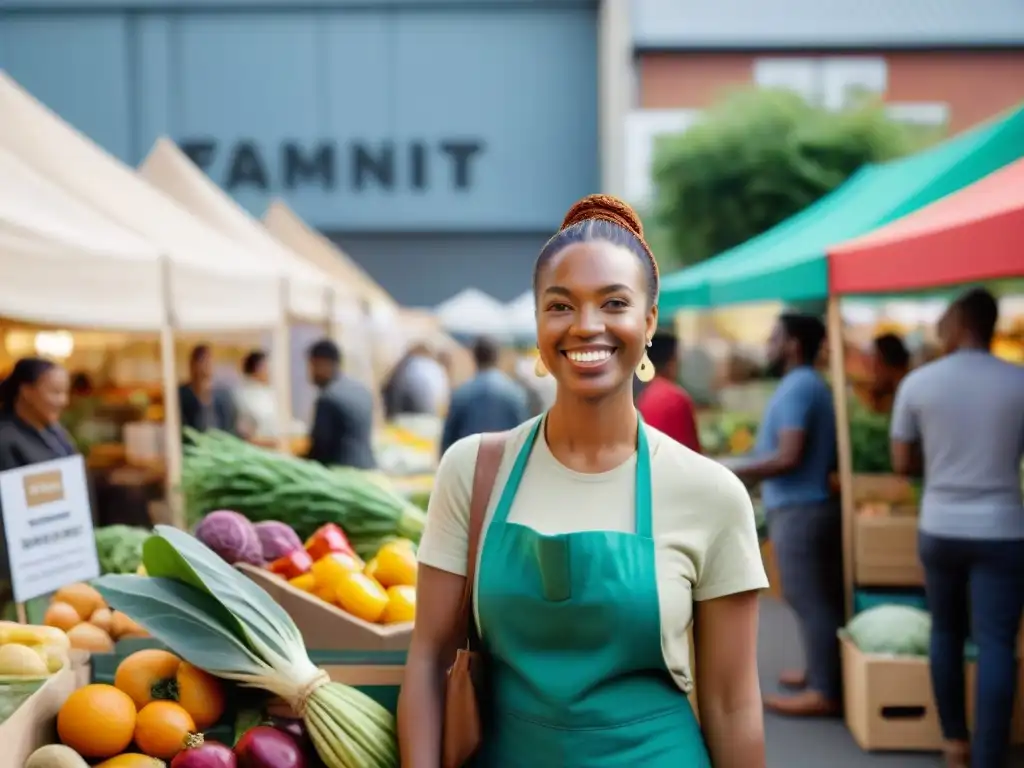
(689,480)
(458,463)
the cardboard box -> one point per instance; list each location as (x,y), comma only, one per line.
(889,703)
(885,551)
(34,723)
(326,627)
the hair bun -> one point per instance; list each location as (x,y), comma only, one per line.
(608,208)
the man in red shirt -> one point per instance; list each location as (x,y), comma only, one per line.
(665,405)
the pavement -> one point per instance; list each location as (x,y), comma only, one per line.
(817,743)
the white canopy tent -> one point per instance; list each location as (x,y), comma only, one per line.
(522,317)
(311,292)
(473,313)
(214,285)
(63,263)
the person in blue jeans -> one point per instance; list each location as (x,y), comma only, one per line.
(793,459)
(960,419)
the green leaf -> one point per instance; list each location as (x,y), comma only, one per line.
(177,555)
(188,621)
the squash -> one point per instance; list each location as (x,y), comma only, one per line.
(55,756)
(83,598)
(21,661)
(89,637)
(61,615)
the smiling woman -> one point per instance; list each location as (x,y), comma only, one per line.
(587,564)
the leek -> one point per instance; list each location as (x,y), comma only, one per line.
(220,621)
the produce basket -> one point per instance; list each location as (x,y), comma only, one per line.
(33,723)
(326,627)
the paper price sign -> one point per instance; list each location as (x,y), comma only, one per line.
(48,527)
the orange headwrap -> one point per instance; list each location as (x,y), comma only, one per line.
(614,210)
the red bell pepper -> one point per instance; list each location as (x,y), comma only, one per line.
(292,565)
(327,540)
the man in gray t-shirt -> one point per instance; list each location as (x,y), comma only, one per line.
(960,420)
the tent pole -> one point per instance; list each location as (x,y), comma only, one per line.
(837,358)
(172,408)
(282,371)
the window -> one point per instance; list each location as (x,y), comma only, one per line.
(643,129)
(834,83)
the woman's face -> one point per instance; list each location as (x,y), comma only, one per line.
(48,396)
(593,322)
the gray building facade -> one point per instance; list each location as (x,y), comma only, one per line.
(438,141)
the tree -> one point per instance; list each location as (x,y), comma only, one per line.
(754,160)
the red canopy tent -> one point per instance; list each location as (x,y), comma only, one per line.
(972,235)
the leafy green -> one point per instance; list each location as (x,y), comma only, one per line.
(119,548)
(252,612)
(189,622)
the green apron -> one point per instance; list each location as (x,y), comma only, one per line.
(571,627)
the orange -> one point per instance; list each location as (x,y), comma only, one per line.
(132,760)
(200,694)
(147,675)
(401,605)
(97,721)
(162,728)
(396,565)
(361,596)
(61,615)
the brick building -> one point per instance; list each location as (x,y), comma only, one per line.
(949,63)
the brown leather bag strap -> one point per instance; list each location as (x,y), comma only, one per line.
(488,461)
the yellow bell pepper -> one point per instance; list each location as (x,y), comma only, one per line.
(306,582)
(361,596)
(330,569)
(401,605)
(396,565)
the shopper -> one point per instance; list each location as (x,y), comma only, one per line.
(961,420)
(663,403)
(794,456)
(890,363)
(489,402)
(256,401)
(203,404)
(342,431)
(604,536)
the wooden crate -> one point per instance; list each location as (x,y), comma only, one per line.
(326,627)
(889,703)
(885,552)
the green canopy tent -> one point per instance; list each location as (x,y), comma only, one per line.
(789,262)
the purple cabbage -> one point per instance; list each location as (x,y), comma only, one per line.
(277,539)
(232,536)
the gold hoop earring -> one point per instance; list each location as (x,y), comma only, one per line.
(539,369)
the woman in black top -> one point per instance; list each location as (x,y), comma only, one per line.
(32,399)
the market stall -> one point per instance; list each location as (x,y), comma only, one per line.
(208,282)
(968,237)
(311,294)
(471,313)
(788,263)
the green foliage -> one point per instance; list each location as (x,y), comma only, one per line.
(757,158)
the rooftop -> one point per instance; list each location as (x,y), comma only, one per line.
(826,24)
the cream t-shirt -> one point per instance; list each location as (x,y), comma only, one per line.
(703,521)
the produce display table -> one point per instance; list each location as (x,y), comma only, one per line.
(325,626)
